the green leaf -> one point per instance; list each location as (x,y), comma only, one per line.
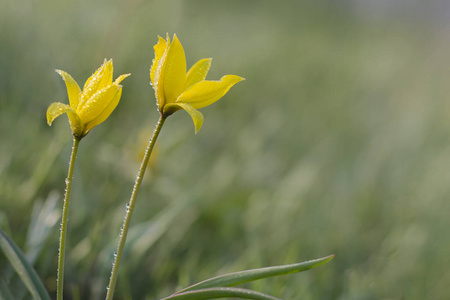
(255,274)
(23,267)
(220,292)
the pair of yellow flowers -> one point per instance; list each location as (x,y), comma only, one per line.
(174,89)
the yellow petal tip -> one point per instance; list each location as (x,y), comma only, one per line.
(197,129)
(237,78)
(60,72)
(121,77)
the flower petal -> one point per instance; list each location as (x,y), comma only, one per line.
(99,80)
(206,92)
(197,72)
(73,90)
(158,68)
(120,78)
(159,48)
(57,108)
(196,116)
(106,112)
(174,71)
(98,103)
(102,77)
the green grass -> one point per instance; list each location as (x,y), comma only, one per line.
(337,142)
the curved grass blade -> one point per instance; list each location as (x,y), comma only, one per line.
(220,292)
(23,267)
(236,278)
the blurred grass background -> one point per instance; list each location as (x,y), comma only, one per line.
(337,142)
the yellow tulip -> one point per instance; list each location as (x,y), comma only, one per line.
(93,105)
(175,90)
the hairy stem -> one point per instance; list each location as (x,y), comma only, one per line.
(64,221)
(130,208)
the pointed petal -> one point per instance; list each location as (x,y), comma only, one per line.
(102,76)
(197,72)
(206,92)
(98,103)
(158,69)
(159,48)
(120,78)
(174,72)
(73,90)
(57,108)
(107,77)
(108,109)
(196,116)
(106,112)
(99,80)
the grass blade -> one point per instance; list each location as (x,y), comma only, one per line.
(220,292)
(23,267)
(236,278)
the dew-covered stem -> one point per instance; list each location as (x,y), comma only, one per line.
(64,221)
(130,208)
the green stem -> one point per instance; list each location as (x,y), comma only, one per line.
(130,208)
(65,216)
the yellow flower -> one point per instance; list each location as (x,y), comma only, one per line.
(175,90)
(93,105)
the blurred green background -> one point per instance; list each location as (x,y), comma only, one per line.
(337,142)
